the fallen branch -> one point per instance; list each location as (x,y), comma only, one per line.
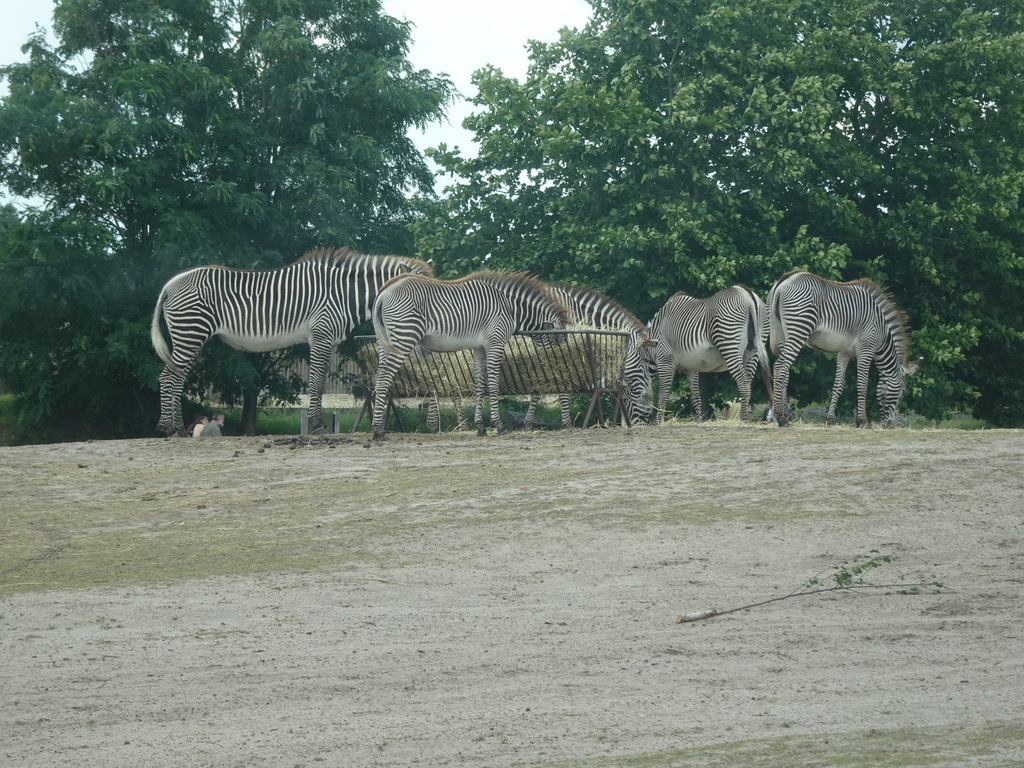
(846,577)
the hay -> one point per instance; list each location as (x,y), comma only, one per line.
(584,360)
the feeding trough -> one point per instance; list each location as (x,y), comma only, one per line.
(587,362)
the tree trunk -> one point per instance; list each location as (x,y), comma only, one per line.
(250,403)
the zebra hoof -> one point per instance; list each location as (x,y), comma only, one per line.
(321,430)
(379,437)
(481,431)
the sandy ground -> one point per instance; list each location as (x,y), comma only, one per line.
(511,601)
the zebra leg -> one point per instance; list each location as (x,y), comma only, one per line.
(748,372)
(480,381)
(863,369)
(743,378)
(493,377)
(693,377)
(666,372)
(387,366)
(842,360)
(563,404)
(478,416)
(319,360)
(171,384)
(886,406)
(433,415)
(531,412)
(461,423)
(780,378)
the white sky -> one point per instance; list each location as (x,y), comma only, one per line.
(455,37)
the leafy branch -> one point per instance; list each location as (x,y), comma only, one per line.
(847,576)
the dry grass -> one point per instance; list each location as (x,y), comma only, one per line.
(404,578)
(139,511)
(992,744)
(571,367)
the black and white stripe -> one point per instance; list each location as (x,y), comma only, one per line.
(589,308)
(317,301)
(478,312)
(855,320)
(724,332)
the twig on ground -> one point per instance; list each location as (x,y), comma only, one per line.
(847,577)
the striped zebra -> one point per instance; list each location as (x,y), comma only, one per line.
(479,312)
(590,308)
(722,333)
(317,300)
(855,320)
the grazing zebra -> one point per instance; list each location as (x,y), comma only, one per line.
(317,300)
(723,332)
(856,319)
(478,312)
(592,309)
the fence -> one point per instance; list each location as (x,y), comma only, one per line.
(341,372)
(587,362)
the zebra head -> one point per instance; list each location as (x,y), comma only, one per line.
(891,385)
(637,377)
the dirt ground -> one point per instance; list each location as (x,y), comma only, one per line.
(511,601)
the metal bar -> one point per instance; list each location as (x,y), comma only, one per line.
(588,361)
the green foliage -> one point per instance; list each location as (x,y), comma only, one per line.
(848,575)
(851,575)
(12,432)
(692,144)
(162,135)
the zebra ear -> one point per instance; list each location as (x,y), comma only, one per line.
(911,368)
(647,343)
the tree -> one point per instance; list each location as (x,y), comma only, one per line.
(691,144)
(158,136)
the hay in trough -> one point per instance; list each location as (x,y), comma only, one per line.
(585,359)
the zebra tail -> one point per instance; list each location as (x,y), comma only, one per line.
(776,334)
(156,334)
(380,328)
(760,322)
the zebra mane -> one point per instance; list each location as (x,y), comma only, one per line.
(682,296)
(336,256)
(895,318)
(525,283)
(586,291)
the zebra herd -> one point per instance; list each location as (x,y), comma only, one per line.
(320,298)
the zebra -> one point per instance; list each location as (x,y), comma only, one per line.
(724,332)
(855,319)
(316,300)
(592,309)
(479,312)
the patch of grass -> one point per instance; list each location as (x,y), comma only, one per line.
(146,534)
(952,421)
(129,512)
(285,421)
(161,550)
(979,744)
